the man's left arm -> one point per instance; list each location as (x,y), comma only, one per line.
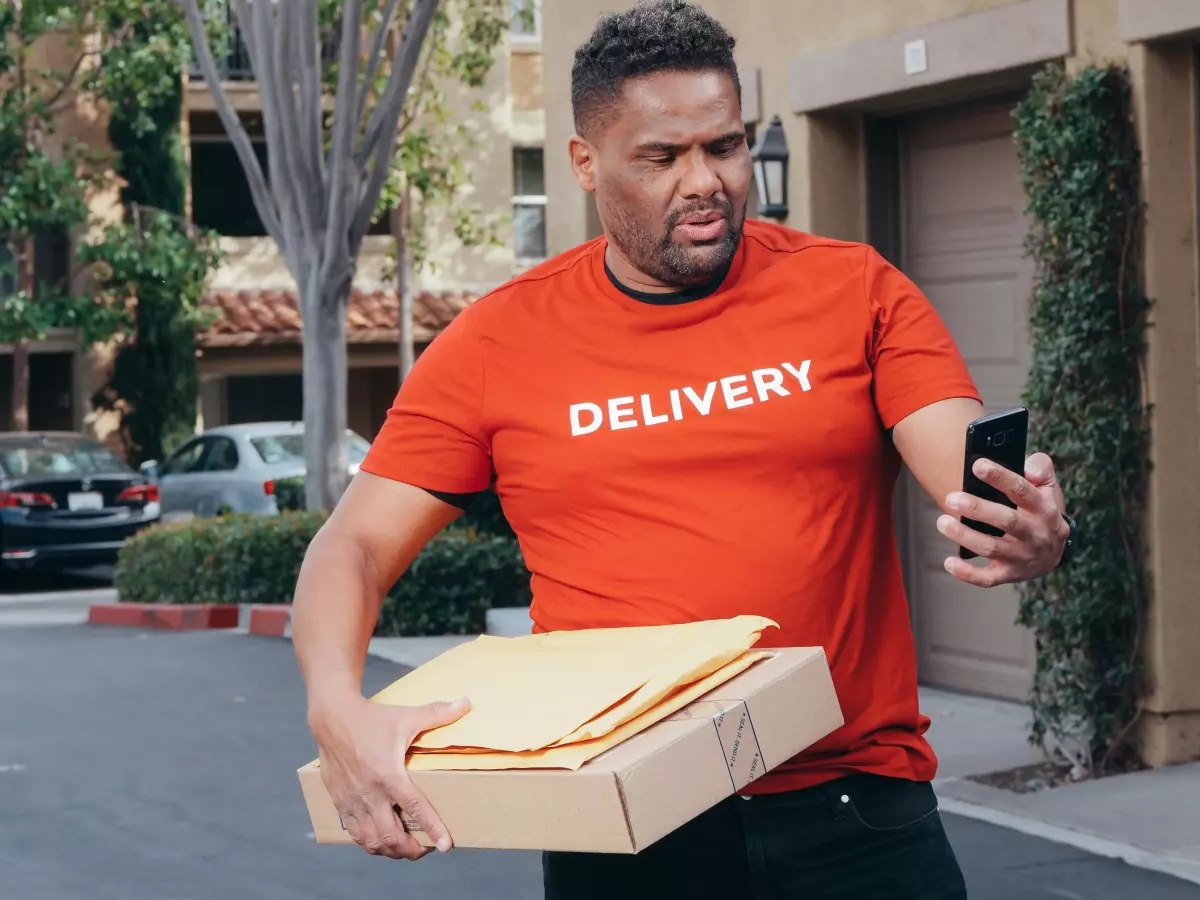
(932,442)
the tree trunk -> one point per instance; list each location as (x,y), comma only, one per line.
(404,286)
(27,284)
(325,392)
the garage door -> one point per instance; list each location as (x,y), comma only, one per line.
(963,226)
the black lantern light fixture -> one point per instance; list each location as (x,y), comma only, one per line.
(770,155)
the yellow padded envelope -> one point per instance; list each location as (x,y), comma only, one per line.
(572,756)
(531,692)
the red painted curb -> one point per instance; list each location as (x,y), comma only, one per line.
(270,621)
(165,616)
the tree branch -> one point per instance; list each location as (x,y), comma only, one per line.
(403,68)
(410,111)
(259,27)
(305,194)
(311,134)
(373,62)
(419,20)
(259,193)
(342,171)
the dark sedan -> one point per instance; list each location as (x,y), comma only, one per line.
(66,500)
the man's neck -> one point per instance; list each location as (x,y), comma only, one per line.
(636,284)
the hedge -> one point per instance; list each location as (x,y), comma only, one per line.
(448,589)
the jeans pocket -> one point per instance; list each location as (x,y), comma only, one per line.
(904,805)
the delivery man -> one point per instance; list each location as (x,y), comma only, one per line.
(692,417)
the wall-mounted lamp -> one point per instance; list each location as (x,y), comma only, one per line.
(770,155)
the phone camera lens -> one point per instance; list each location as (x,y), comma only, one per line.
(998,439)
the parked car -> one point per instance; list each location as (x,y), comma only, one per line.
(66,500)
(234,468)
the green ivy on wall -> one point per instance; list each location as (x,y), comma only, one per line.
(1080,169)
(153,266)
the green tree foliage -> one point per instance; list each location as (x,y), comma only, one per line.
(150,272)
(1080,169)
(43,180)
(141,78)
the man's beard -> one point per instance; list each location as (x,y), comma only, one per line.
(665,260)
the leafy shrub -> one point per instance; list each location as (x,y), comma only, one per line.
(448,589)
(1080,167)
(289,494)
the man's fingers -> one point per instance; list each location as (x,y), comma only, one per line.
(977,541)
(390,838)
(1039,470)
(991,575)
(1003,517)
(434,715)
(1016,487)
(417,809)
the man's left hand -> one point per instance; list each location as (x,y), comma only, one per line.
(1035,533)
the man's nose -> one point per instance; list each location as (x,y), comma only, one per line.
(699,178)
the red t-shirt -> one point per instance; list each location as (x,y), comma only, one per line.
(668,463)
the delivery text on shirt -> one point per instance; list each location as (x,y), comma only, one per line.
(736,391)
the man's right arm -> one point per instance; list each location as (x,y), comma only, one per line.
(376,531)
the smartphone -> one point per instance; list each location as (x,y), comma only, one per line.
(1000,437)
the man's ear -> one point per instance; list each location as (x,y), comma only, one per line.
(583,162)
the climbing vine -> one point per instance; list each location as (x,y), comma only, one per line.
(1080,169)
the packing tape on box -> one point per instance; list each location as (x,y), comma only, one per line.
(735,733)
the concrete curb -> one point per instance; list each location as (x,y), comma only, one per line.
(1089,843)
(269,621)
(165,616)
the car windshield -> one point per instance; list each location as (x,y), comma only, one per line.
(289,447)
(55,457)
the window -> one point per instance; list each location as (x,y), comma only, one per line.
(222,457)
(529,203)
(8,270)
(187,459)
(525,20)
(285,448)
(220,192)
(58,456)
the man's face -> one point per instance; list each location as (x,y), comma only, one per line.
(671,172)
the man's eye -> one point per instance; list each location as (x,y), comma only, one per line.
(662,160)
(727,150)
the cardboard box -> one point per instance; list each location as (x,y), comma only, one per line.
(641,790)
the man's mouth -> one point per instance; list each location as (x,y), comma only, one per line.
(702,226)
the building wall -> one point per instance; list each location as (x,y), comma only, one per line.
(824,71)
(85,121)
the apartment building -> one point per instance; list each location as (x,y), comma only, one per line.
(897,122)
(250,359)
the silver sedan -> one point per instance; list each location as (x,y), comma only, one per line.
(234,468)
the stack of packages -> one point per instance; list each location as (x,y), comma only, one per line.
(555,701)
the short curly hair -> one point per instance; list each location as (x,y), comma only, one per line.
(653,36)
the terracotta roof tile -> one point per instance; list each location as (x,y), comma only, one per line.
(251,317)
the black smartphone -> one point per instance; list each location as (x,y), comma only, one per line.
(1000,437)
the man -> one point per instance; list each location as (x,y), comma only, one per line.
(693,417)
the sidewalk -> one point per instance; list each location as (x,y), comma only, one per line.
(51,607)
(1148,819)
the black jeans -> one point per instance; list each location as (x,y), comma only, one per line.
(863,837)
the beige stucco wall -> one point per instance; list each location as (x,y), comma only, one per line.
(1165,104)
(485,115)
(827,194)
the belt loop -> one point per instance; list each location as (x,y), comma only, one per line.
(839,798)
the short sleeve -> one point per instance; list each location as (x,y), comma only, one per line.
(914,359)
(434,437)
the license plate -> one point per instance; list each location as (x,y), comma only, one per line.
(85,500)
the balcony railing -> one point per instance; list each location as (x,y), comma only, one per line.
(234,64)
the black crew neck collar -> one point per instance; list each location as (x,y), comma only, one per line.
(673,298)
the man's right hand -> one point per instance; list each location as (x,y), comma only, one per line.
(362,750)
